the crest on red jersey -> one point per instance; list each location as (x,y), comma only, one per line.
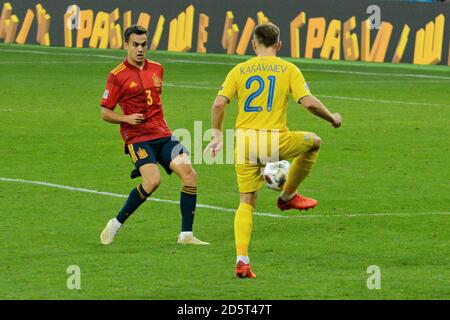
(156,80)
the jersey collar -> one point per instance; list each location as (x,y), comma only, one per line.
(129,65)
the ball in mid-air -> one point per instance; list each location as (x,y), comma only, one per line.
(275,174)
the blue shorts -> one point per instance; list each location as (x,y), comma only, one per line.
(160,151)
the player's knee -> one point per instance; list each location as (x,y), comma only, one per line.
(189,177)
(151,185)
(317,141)
(249,198)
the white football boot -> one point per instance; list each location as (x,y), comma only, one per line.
(188,238)
(108,234)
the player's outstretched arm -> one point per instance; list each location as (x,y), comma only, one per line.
(112,117)
(316,107)
(217,116)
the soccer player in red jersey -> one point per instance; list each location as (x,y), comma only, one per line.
(136,85)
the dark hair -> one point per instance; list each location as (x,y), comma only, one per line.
(133,29)
(267,34)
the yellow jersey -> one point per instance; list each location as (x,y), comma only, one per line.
(262,86)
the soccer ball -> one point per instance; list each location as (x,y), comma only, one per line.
(275,174)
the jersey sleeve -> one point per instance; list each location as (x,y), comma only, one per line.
(229,86)
(111,95)
(299,87)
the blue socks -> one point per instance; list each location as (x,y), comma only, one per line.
(188,202)
(135,199)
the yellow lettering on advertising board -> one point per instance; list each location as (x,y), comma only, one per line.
(298,22)
(246,36)
(11,28)
(4,18)
(25,29)
(379,48)
(202,33)
(398,55)
(315,35)
(332,44)
(100,31)
(85,30)
(115,32)
(180,31)
(158,33)
(350,40)
(69,16)
(43,20)
(429,41)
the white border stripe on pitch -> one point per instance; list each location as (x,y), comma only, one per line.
(267,214)
(171,60)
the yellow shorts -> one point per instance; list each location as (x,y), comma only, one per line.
(253,151)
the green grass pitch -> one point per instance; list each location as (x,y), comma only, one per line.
(382,181)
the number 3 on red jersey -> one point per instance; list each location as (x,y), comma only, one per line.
(149,97)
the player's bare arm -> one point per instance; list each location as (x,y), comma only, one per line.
(113,117)
(217,116)
(316,107)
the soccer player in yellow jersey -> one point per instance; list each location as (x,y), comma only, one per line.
(262,86)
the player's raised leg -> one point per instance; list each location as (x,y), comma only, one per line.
(300,168)
(243,224)
(188,198)
(150,182)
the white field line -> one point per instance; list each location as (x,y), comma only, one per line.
(327,96)
(53,62)
(64,54)
(229,63)
(323,70)
(267,214)
(375,81)
(428,76)
(384,101)
(188,86)
(316,82)
(310,82)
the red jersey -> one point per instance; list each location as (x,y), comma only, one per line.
(137,91)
